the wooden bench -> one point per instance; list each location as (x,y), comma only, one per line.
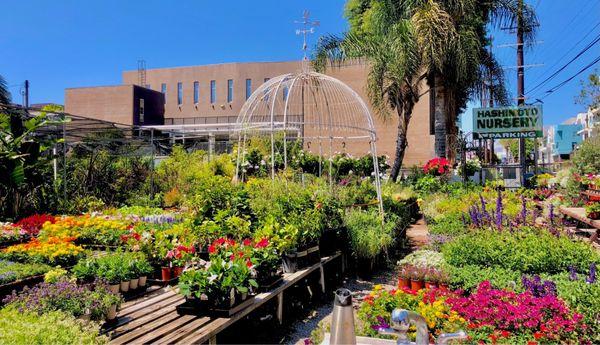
(153,318)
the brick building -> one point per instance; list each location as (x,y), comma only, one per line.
(209,95)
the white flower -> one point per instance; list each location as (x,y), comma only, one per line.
(212,278)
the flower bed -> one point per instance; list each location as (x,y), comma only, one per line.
(13,271)
(52,250)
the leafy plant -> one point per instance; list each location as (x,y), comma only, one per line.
(12,271)
(368,236)
(54,327)
(586,159)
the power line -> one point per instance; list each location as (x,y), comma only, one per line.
(590,45)
(568,52)
(558,86)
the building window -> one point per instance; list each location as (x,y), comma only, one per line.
(179,93)
(141,111)
(248,88)
(196,92)
(213,91)
(163,89)
(229,90)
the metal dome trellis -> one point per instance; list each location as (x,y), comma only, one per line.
(321,111)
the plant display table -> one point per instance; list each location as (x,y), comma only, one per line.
(154,319)
(578,213)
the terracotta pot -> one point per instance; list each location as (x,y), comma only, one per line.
(142,282)
(112,312)
(431,285)
(114,288)
(416,285)
(165,273)
(177,271)
(403,283)
(125,286)
(133,283)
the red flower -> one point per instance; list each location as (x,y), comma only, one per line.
(212,249)
(136,236)
(262,243)
(247,242)
(220,241)
(531,342)
(231,257)
(537,335)
(248,263)
(505,334)
(124,238)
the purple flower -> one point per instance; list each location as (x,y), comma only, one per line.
(381,324)
(572,273)
(523,214)
(499,210)
(591,279)
(537,287)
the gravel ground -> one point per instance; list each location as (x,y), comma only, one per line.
(360,288)
(417,236)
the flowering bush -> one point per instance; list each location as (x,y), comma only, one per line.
(181,255)
(33,224)
(437,166)
(229,272)
(376,308)
(93,299)
(52,250)
(493,313)
(423,258)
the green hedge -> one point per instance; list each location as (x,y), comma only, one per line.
(526,251)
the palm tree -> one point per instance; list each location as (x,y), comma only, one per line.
(4,93)
(387,44)
(406,41)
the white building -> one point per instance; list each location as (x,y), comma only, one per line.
(590,122)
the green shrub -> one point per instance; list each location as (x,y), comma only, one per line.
(525,251)
(17,327)
(368,237)
(586,159)
(468,277)
(451,225)
(583,297)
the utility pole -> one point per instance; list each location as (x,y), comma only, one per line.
(26,95)
(521,86)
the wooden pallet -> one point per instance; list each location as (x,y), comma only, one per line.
(579,214)
(153,318)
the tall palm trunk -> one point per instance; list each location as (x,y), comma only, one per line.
(404,108)
(439,113)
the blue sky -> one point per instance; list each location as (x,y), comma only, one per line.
(59,44)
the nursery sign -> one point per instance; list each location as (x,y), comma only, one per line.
(508,122)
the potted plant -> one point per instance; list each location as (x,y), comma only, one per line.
(143,269)
(431,278)
(592,210)
(416,278)
(132,270)
(180,256)
(404,277)
(220,285)
(443,280)
(267,263)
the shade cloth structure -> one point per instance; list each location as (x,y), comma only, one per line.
(321,112)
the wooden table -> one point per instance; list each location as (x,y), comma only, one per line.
(579,214)
(153,318)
